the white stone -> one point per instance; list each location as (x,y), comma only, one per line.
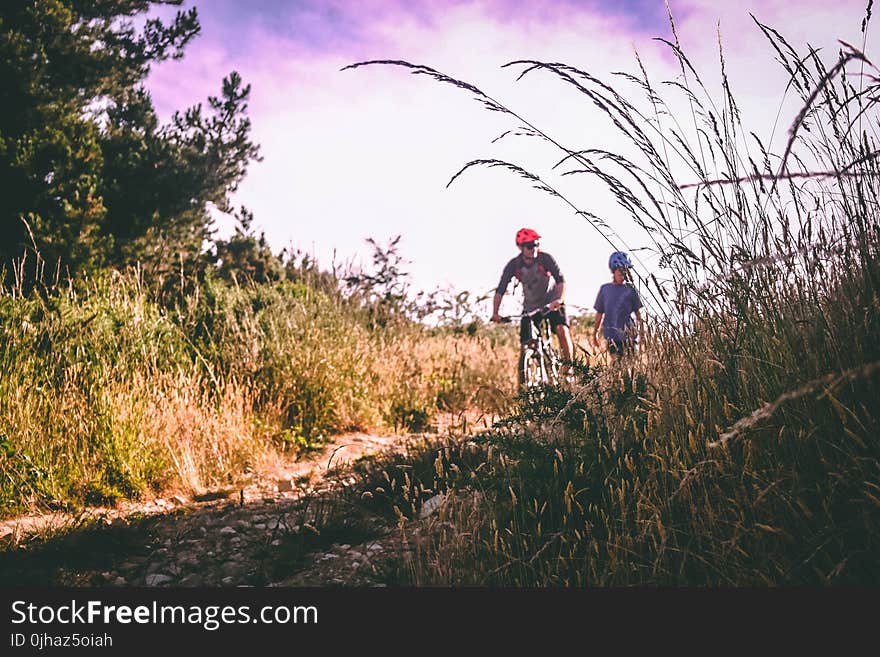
(157,579)
(431,506)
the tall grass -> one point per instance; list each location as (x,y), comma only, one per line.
(108,390)
(741,447)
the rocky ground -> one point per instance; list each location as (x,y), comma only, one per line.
(259,535)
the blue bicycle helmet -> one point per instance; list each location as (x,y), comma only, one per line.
(619,259)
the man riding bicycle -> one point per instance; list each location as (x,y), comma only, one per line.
(534,268)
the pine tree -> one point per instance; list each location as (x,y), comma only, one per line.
(90,178)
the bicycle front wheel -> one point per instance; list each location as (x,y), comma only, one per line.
(531,370)
(552,365)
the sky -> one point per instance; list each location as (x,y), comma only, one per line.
(367,152)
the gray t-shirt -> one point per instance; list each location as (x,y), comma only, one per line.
(535,279)
(617,303)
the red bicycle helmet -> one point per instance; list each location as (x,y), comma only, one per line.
(524,235)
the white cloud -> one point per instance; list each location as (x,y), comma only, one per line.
(368,152)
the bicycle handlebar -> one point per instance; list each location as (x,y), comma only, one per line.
(543,310)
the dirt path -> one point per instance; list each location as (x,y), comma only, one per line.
(258,535)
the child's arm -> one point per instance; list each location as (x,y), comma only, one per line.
(599,307)
(639,323)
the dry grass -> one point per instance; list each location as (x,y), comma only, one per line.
(106,393)
(741,447)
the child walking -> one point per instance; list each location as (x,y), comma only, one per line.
(615,306)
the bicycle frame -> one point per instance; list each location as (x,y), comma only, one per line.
(539,362)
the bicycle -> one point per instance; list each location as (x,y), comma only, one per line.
(539,361)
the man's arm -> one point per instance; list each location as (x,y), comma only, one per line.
(496,305)
(551,265)
(559,292)
(559,289)
(506,275)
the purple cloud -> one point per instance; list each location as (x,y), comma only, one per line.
(337,25)
(265,39)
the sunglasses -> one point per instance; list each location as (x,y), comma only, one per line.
(529,245)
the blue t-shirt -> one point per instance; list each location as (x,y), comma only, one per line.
(617,303)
